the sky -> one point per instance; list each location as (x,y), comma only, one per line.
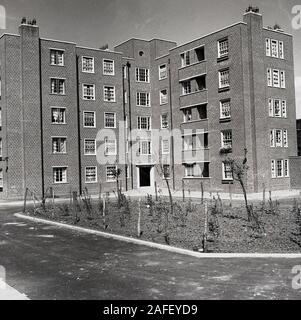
(94,23)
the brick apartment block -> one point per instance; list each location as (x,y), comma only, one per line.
(226,92)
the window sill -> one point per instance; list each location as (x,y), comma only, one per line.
(59,124)
(57,94)
(224,89)
(89,72)
(227,181)
(197,178)
(224,58)
(95,182)
(222,120)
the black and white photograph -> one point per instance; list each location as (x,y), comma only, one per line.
(150,150)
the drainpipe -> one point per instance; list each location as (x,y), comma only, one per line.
(125,128)
(78,127)
(171,128)
(130,120)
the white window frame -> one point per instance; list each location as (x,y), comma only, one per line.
(222,102)
(94,116)
(286,168)
(163,146)
(281,50)
(272,138)
(285,138)
(111,167)
(139,99)
(66,174)
(271,107)
(225,144)
(115,120)
(283,109)
(275,54)
(278,134)
(85,87)
(220,74)
(103,67)
(276,78)
(109,142)
(224,173)
(161,121)
(85,147)
(163,99)
(147,75)
(277,114)
(59,110)
(148,120)
(93,64)
(226,51)
(268,47)
(185,59)
(64,86)
(94,181)
(62,51)
(163,72)
(269,77)
(65,145)
(282,79)
(273,169)
(142,148)
(104,94)
(189,170)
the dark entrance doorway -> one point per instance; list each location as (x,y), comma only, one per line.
(145,176)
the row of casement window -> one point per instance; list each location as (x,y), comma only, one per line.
(279,169)
(59,146)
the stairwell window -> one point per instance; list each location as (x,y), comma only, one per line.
(59,175)
(163,97)
(88,64)
(58,115)
(276,78)
(109,94)
(278,138)
(56,57)
(227,139)
(59,145)
(164,121)
(142,75)
(225,109)
(57,86)
(110,120)
(224,79)
(165,146)
(144,123)
(277,108)
(88,91)
(143,99)
(110,147)
(91,174)
(223,48)
(108,67)
(145,147)
(162,72)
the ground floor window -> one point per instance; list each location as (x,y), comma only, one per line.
(197,170)
(91,174)
(60,175)
(111,173)
(280,168)
(227,171)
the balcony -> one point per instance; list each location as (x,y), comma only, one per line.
(196,97)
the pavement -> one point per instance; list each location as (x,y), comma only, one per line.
(47,262)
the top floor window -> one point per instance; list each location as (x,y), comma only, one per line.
(185,59)
(274,48)
(56,57)
(108,67)
(88,64)
(142,75)
(162,72)
(223,48)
